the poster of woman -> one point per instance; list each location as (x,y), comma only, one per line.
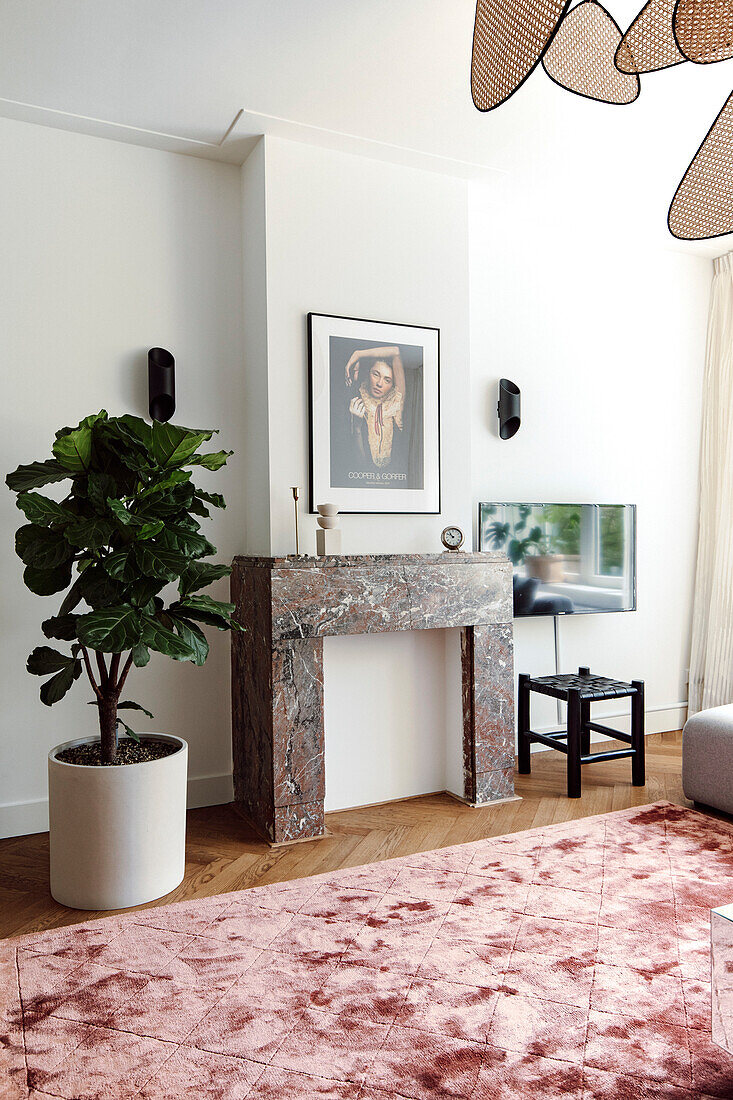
(374,415)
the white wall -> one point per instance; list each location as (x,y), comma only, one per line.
(602,325)
(355,237)
(109,249)
(361,238)
(255,442)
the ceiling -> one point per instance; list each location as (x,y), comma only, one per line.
(386,77)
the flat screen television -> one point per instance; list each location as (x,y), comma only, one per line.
(568,559)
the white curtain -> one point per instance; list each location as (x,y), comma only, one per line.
(711,660)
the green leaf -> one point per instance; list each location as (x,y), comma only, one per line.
(41,546)
(91,534)
(35,475)
(110,629)
(212,461)
(73,596)
(216,500)
(141,592)
(44,582)
(155,560)
(128,705)
(190,543)
(61,627)
(120,565)
(158,637)
(74,451)
(205,610)
(137,427)
(199,574)
(142,526)
(205,603)
(120,511)
(193,636)
(40,510)
(98,589)
(187,521)
(140,655)
(128,730)
(100,486)
(43,660)
(55,688)
(94,418)
(171,479)
(173,445)
(149,530)
(208,618)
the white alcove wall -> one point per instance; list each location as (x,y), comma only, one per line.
(591,309)
(112,249)
(350,236)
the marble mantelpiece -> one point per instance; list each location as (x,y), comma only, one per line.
(288,605)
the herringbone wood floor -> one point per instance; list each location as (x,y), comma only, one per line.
(224,854)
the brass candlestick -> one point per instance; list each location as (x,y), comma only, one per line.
(296,491)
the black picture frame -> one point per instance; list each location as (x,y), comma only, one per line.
(360,460)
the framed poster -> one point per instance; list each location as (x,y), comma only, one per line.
(374,415)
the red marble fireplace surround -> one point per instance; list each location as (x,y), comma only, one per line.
(288,605)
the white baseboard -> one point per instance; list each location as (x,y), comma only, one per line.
(659,719)
(22,818)
(210,790)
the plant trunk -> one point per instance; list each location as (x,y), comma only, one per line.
(108,726)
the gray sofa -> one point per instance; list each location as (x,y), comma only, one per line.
(707,758)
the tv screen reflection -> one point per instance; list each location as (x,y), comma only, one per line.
(568,559)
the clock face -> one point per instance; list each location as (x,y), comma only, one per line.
(452,538)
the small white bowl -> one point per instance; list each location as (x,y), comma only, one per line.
(328,523)
(328,509)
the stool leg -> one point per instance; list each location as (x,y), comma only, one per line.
(638,769)
(584,731)
(574,734)
(523,726)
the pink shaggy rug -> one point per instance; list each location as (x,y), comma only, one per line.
(570,961)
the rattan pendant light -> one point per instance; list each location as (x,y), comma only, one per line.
(509,38)
(580,56)
(584,51)
(702,206)
(704,31)
(649,43)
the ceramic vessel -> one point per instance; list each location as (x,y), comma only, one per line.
(117,833)
(546,567)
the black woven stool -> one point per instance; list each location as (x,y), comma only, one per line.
(579,692)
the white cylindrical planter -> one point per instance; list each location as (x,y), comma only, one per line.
(117,833)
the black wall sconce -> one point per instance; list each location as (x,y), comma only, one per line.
(161,384)
(509,408)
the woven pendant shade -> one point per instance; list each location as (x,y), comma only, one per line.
(580,56)
(704,30)
(509,38)
(649,43)
(702,206)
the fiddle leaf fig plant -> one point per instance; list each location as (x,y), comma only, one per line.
(128,527)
